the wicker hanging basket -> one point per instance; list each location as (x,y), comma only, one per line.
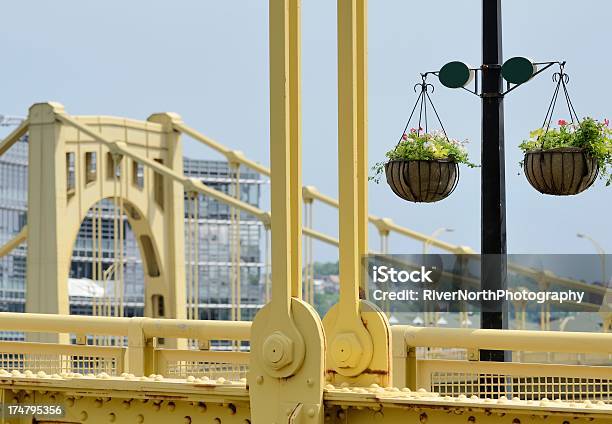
(422,181)
(560,172)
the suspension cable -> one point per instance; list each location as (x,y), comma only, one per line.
(189,278)
(196,249)
(267,265)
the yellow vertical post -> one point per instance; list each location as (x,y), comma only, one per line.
(285,151)
(362,135)
(49,252)
(354,349)
(348,161)
(286,379)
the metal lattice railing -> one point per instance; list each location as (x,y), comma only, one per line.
(230,365)
(552,365)
(139,356)
(60,359)
(495,386)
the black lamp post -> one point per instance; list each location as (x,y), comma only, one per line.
(493,178)
(515,71)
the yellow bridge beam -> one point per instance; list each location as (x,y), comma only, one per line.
(21,237)
(14,136)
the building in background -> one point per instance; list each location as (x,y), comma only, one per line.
(214,260)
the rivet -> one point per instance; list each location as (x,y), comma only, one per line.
(140,418)
(311,412)
(341,415)
(309,381)
(112,417)
(202,407)
(516,421)
(259,379)
(187,420)
(70,401)
(217,420)
(471,419)
(171,406)
(423,418)
(378,415)
(232,408)
(84,415)
(127,404)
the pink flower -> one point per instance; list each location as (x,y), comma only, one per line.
(405,137)
(562,122)
(412,130)
(606,122)
(420,128)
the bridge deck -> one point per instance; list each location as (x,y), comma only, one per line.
(132,399)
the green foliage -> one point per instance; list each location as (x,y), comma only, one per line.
(593,136)
(425,146)
(326,268)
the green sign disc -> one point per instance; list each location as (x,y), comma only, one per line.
(455,75)
(518,70)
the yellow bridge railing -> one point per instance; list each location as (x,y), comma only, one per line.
(138,354)
(530,377)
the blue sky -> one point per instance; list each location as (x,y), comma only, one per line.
(208,61)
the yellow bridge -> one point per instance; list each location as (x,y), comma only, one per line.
(289,365)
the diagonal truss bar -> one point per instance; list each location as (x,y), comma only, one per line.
(21,237)
(14,136)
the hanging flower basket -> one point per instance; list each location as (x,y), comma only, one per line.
(424,166)
(566,161)
(422,181)
(563,171)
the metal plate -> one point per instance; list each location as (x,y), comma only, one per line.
(455,75)
(518,70)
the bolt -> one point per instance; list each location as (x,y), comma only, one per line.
(278,350)
(346,350)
